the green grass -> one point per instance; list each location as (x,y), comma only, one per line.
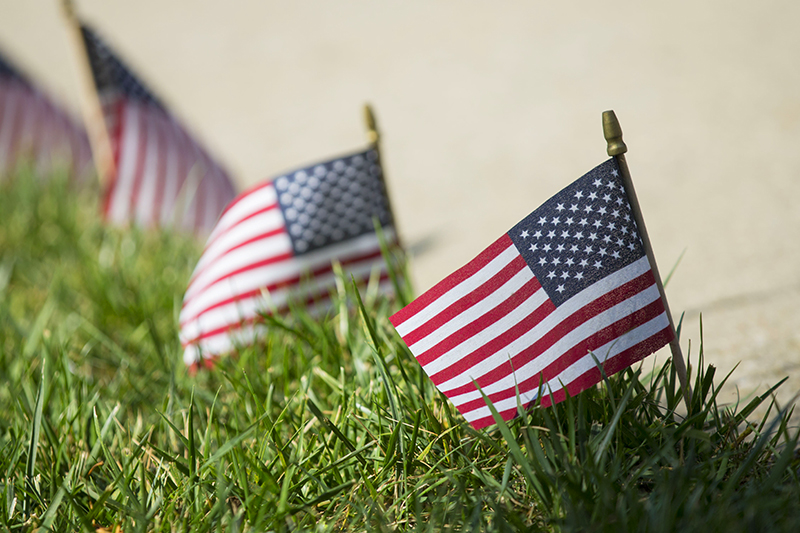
(326,425)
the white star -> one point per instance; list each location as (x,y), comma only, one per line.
(569,262)
(618,201)
(573,207)
(597,224)
(606,197)
(573,248)
(615,213)
(551,275)
(593,236)
(556,261)
(583,222)
(546,248)
(583,262)
(588,250)
(593,196)
(564,234)
(579,275)
(569,221)
(564,275)
(624,229)
(610,184)
(597,182)
(598,264)
(602,210)
(606,239)
(615,255)
(551,234)
(533,248)
(579,235)
(560,288)
(542,220)
(542,261)
(627,217)
(537,234)
(602,252)
(524,234)
(560,207)
(588,209)
(579,194)
(631,246)
(560,248)
(620,242)
(615,173)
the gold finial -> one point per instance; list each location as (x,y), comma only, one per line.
(373,136)
(69,8)
(613,134)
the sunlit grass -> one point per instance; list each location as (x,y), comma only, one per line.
(326,425)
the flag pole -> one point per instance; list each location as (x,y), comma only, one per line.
(616,148)
(374,139)
(93,116)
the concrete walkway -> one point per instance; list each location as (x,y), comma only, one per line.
(489,108)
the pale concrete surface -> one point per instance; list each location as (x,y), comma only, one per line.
(488,108)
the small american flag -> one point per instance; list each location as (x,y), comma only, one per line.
(274,246)
(163,176)
(33,128)
(568,284)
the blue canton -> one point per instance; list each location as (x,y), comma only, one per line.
(580,235)
(110,74)
(333,201)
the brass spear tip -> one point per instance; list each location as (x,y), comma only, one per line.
(612,131)
(373,136)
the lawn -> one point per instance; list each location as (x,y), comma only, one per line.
(328,424)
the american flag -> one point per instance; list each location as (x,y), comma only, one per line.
(163,176)
(35,130)
(568,284)
(274,246)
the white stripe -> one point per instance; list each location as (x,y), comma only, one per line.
(170,188)
(150,177)
(278,272)
(473,312)
(580,367)
(248,254)
(247,308)
(552,353)
(245,206)
(501,356)
(129,151)
(463,288)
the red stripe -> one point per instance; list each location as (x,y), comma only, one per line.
(590,310)
(572,355)
(593,376)
(487,319)
(466,301)
(158,194)
(316,297)
(222,254)
(235,224)
(288,282)
(494,249)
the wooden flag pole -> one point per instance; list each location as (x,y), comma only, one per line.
(616,148)
(374,139)
(92,108)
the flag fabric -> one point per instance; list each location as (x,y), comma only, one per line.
(567,286)
(34,128)
(274,246)
(163,176)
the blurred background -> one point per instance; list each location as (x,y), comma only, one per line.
(487,109)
